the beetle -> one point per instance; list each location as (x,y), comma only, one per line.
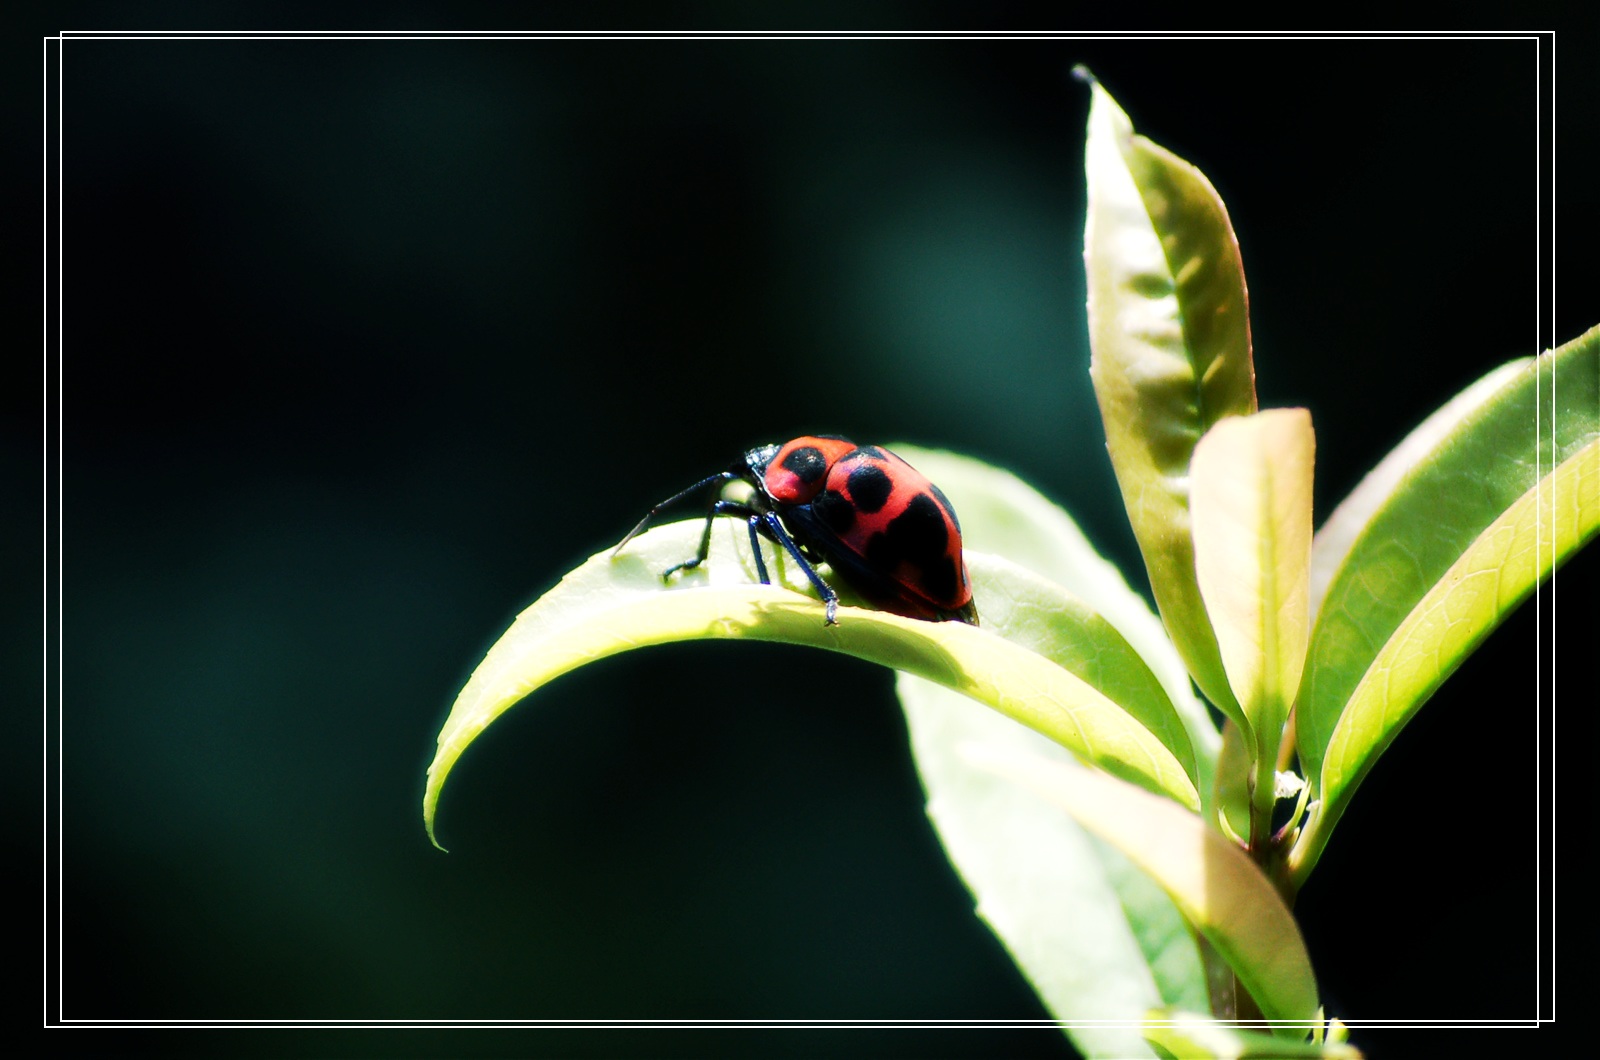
(886,531)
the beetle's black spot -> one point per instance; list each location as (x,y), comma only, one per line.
(917,536)
(939,581)
(837,513)
(919,533)
(870,487)
(882,553)
(874,452)
(949,509)
(807,463)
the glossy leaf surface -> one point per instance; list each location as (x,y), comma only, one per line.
(1169,330)
(1497,455)
(1251,501)
(1004,516)
(1340,530)
(1495,574)
(609,605)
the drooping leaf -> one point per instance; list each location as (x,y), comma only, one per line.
(1098,940)
(1495,457)
(1251,502)
(1170,334)
(1213,883)
(613,604)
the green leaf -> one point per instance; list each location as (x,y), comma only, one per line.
(1341,529)
(1543,414)
(1004,516)
(1169,328)
(1213,883)
(1251,484)
(1463,539)
(613,604)
(1034,613)
(1194,1037)
(1232,802)
(1494,575)
(1097,939)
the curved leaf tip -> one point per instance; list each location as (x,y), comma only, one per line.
(1170,357)
(607,606)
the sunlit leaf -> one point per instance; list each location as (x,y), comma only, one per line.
(1169,330)
(614,604)
(1251,486)
(1196,1037)
(1004,516)
(1098,940)
(1494,575)
(1340,530)
(1233,784)
(1034,613)
(1212,882)
(1494,458)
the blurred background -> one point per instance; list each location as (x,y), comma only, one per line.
(366,343)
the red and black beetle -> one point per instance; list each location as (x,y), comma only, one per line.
(877,521)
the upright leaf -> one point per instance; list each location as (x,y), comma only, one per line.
(1540,418)
(1170,334)
(1494,575)
(1252,538)
(1341,529)
(1465,537)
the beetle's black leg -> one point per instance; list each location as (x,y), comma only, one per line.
(719,508)
(755,524)
(830,599)
(674,499)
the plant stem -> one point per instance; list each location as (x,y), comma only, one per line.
(1221,985)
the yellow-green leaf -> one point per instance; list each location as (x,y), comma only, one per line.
(1196,1037)
(1497,572)
(1340,530)
(1170,335)
(1544,413)
(1213,883)
(1233,783)
(1099,941)
(1251,499)
(1094,948)
(1004,516)
(613,604)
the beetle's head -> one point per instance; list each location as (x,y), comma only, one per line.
(753,464)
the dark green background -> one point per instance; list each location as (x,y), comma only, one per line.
(366,343)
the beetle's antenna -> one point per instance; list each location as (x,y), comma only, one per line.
(649,516)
